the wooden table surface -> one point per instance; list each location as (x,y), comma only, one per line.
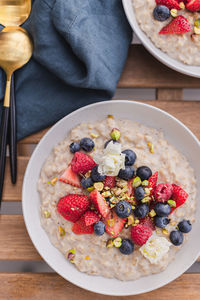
(141,71)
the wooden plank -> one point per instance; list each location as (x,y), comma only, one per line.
(34,138)
(142,70)
(169,94)
(17,286)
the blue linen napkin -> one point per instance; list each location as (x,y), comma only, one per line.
(80,47)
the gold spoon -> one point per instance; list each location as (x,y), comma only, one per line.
(15,51)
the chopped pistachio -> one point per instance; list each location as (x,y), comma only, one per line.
(61,231)
(87,174)
(197,23)
(117,191)
(71,255)
(182,5)
(106,194)
(130,220)
(110,117)
(90,189)
(133,207)
(150,145)
(47,214)
(145,183)
(152,213)
(172,203)
(146,199)
(165,231)
(99,186)
(121,182)
(136,221)
(147,191)
(115,134)
(173,223)
(112,205)
(117,242)
(53,181)
(196,30)
(174,12)
(136,182)
(111,222)
(109,244)
(87,257)
(93,135)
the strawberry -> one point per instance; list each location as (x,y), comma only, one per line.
(163,192)
(178,195)
(82,163)
(70,177)
(152,182)
(73,206)
(193,5)
(169,3)
(148,222)
(80,227)
(140,234)
(91,217)
(109,181)
(130,187)
(178,25)
(100,203)
(113,224)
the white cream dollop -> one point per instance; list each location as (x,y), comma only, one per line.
(155,248)
(111,161)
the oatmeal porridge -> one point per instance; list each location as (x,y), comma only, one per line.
(117,199)
(185,45)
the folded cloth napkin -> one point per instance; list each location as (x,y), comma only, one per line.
(80,47)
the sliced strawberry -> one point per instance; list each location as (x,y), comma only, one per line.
(130,187)
(178,25)
(148,222)
(109,181)
(81,228)
(152,182)
(113,224)
(100,203)
(82,163)
(169,3)
(70,177)
(73,206)
(140,234)
(91,217)
(193,5)
(179,195)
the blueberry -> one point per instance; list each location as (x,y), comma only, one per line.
(185,226)
(126,173)
(106,143)
(176,237)
(144,173)
(86,182)
(127,247)
(130,157)
(161,13)
(74,147)
(141,211)
(123,209)
(161,222)
(87,144)
(162,209)
(139,193)
(96,176)
(99,228)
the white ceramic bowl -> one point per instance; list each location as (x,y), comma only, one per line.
(175,132)
(159,54)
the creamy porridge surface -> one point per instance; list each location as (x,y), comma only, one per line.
(91,254)
(184,47)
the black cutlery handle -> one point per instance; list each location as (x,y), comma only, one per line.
(12,134)
(3,144)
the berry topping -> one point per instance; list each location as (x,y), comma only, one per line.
(169,3)
(130,157)
(123,209)
(99,228)
(179,196)
(161,222)
(193,5)
(139,193)
(91,217)
(96,176)
(82,163)
(73,206)
(70,177)
(140,234)
(153,181)
(126,173)
(178,25)
(148,222)
(162,209)
(74,147)
(81,228)
(161,13)
(100,203)
(114,224)
(109,181)
(86,182)
(163,192)
(106,143)
(127,247)
(141,211)
(176,237)
(144,173)
(185,226)
(87,144)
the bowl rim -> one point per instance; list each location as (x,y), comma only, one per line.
(35,242)
(163,57)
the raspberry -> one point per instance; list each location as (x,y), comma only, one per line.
(109,181)
(81,228)
(148,222)
(91,217)
(82,163)
(140,234)
(163,192)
